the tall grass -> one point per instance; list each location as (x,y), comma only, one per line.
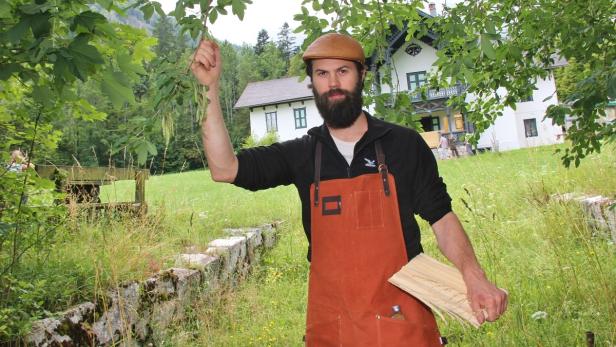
(540,250)
(559,273)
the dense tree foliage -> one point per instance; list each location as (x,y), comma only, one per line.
(494,45)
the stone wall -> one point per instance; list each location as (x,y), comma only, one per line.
(136,313)
(600,212)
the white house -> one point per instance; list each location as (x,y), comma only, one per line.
(523,127)
(287,105)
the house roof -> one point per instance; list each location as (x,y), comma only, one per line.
(275,92)
(397,38)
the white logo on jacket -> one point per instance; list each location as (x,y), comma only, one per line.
(370,163)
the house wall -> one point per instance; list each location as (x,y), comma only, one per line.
(509,131)
(286,119)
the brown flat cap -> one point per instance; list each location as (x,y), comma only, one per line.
(335,46)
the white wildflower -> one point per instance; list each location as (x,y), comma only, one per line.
(539,315)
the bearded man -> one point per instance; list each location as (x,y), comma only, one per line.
(360,181)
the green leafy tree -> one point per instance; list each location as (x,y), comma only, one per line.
(262,40)
(271,63)
(568,76)
(286,44)
(165,33)
(64,64)
(296,66)
(487,45)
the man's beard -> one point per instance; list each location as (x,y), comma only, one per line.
(340,114)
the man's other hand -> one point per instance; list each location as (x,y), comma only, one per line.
(488,302)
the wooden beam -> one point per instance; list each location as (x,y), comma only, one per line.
(140,187)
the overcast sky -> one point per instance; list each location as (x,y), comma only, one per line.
(261,14)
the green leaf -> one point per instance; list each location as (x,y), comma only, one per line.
(117,93)
(151,148)
(213,16)
(7,70)
(87,20)
(18,30)
(147,10)
(127,66)
(515,52)
(106,4)
(36,8)
(40,24)
(42,95)
(81,50)
(89,112)
(238,7)
(5,10)
(486,47)
(142,153)
(159,10)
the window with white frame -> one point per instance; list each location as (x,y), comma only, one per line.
(415,79)
(271,121)
(530,127)
(300,118)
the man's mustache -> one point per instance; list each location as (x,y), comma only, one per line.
(336,91)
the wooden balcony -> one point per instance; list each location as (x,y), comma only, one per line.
(434,94)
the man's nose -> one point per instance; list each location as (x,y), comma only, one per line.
(334,82)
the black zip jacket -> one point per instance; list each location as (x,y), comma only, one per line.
(420,189)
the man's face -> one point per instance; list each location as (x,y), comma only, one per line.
(337,88)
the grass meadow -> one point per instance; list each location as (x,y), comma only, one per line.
(560,274)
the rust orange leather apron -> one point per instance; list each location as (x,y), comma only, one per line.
(357,244)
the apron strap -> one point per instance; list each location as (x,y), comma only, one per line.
(380,157)
(317,172)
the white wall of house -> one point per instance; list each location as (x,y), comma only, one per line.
(508,132)
(285,119)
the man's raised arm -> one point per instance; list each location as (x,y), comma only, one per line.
(207,67)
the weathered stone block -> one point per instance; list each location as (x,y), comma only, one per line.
(233,252)
(194,260)
(117,322)
(269,236)
(44,333)
(597,209)
(71,328)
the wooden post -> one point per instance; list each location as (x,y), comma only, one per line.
(590,339)
(140,187)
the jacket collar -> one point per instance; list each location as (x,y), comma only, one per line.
(376,129)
